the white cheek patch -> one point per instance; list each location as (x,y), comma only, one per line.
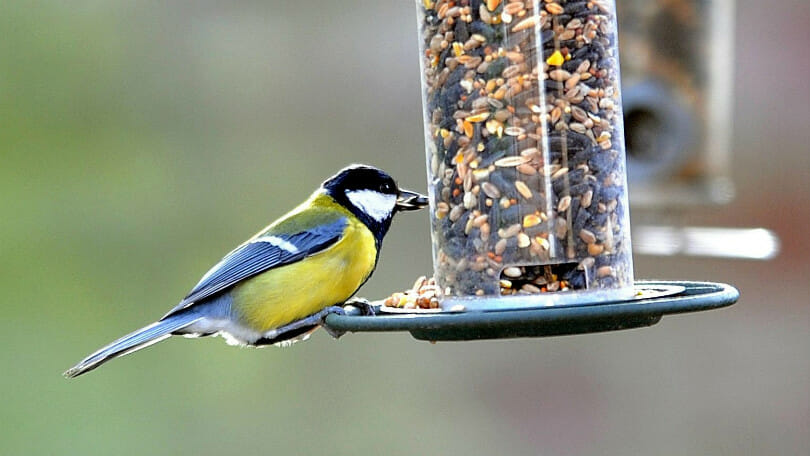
(378,206)
(278,242)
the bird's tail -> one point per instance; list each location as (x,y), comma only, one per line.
(132,342)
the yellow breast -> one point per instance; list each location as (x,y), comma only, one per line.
(289,293)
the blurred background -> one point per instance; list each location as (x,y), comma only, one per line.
(140,141)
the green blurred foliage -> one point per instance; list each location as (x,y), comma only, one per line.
(140,141)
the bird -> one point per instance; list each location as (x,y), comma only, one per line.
(279,285)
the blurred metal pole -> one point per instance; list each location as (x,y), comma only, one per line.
(734,243)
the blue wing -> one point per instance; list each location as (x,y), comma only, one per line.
(260,254)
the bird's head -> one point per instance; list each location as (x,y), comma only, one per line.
(372,195)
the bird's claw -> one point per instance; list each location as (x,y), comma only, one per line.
(359,305)
(354,307)
(332,310)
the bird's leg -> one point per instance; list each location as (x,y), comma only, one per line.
(315,319)
(319,318)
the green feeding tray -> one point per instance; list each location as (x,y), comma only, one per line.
(653,300)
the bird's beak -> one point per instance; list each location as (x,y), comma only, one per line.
(410,201)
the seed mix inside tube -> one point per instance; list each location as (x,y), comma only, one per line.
(524,146)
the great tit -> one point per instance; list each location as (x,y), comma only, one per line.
(280,284)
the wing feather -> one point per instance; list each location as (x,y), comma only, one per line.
(260,254)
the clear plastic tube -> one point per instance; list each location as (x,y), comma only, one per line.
(525,153)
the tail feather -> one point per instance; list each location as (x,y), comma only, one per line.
(132,342)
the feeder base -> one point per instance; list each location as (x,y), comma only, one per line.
(546,321)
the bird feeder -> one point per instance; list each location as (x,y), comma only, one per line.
(525,152)
(526,176)
(677,78)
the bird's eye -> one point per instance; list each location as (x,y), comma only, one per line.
(387,187)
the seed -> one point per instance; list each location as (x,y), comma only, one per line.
(509,162)
(456,212)
(572,81)
(467,179)
(606,103)
(577,127)
(442,209)
(468,226)
(559,173)
(490,85)
(586,199)
(513,272)
(515,57)
(556,113)
(511,71)
(480,117)
(486,16)
(491,190)
(513,8)
(511,231)
(559,75)
(480,174)
(556,59)
(578,114)
(529,152)
(595,249)
(500,247)
(494,126)
(567,35)
(443,10)
(523,189)
(514,131)
(524,240)
(493,4)
(480,220)
(564,203)
(587,236)
(526,169)
(497,104)
(529,22)
(468,128)
(554,8)
(485,230)
(480,104)
(531,220)
(470,201)
(502,115)
(505,283)
(529,288)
